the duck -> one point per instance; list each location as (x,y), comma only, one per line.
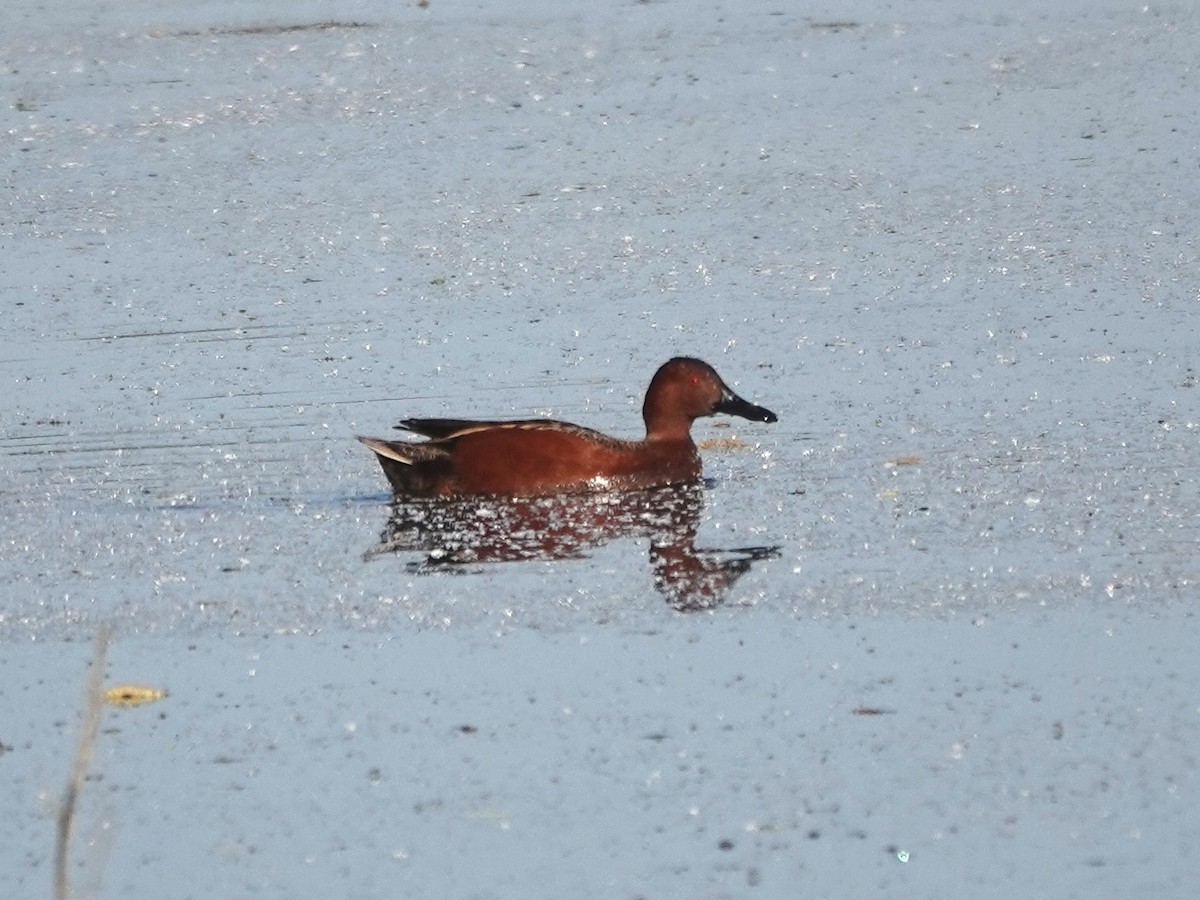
(536,457)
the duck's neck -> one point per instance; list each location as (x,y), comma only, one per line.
(666,423)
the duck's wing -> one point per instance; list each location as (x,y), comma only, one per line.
(440,429)
(443,432)
(406,452)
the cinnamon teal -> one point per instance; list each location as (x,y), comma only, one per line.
(531,457)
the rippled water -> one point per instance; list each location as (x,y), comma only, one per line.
(941,609)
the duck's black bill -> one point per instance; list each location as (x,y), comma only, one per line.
(733,405)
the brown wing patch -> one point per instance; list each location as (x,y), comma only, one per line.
(404,451)
(449,429)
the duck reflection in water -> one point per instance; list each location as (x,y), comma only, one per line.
(461,533)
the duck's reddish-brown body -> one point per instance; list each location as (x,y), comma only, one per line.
(544,456)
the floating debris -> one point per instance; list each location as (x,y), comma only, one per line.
(132,695)
(729,443)
(872,711)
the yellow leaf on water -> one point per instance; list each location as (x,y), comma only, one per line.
(132,695)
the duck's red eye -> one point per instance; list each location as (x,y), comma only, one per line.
(695,379)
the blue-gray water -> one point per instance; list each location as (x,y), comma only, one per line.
(953,251)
